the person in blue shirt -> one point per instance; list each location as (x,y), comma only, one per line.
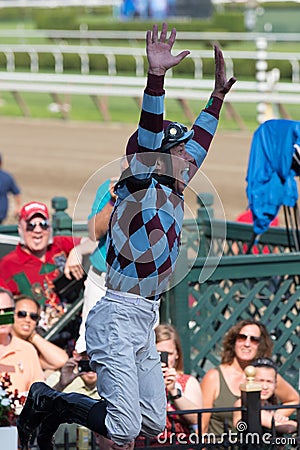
(143,243)
(98,225)
(8,185)
(98,221)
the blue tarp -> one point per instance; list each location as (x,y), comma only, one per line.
(270,179)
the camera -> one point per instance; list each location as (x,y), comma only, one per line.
(164,357)
(84,366)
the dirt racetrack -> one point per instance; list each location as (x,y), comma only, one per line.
(56,158)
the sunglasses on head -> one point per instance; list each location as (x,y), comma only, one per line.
(23,314)
(264,362)
(244,337)
(44,224)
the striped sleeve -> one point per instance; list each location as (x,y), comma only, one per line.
(204,130)
(150,130)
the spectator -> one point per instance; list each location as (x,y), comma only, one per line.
(17,358)
(183,390)
(27,315)
(266,375)
(243,342)
(98,221)
(142,248)
(96,245)
(8,185)
(38,259)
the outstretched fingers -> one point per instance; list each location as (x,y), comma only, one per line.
(222,85)
(229,84)
(163,34)
(172,37)
(181,56)
(159,50)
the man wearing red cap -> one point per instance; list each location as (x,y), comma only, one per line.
(38,259)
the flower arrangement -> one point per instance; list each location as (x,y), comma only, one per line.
(10,402)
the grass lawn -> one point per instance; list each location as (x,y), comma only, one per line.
(124,110)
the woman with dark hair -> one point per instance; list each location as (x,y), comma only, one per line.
(244,342)
(265,344)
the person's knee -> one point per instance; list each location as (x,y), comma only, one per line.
(152,428)
(126,433)
(107,444)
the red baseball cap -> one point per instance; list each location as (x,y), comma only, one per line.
(32,209)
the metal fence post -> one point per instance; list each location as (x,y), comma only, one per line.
(251,401)
(61,221)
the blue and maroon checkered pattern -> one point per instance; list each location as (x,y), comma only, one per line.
(144,233)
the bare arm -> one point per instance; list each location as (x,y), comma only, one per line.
(51,356)
(266,419)
(210,387)
(18,205)
(68,373)
(74,261)
(286,394)
(98,224)
(191,399)
(191,396)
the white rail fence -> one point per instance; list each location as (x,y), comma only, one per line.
(99,88)
(84,53)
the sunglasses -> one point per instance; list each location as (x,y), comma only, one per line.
(23,314)
(8,309)
(44,224)
(244,337)
(264,362)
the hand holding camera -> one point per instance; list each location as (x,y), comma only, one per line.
(84,366)
(164,356)
(169,373)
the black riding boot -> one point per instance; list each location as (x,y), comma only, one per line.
(45,438)
(72,408)
(38,404)
(78,408)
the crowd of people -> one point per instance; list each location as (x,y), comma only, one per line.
(126,370)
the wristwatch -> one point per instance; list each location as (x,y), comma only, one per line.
(176,396)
